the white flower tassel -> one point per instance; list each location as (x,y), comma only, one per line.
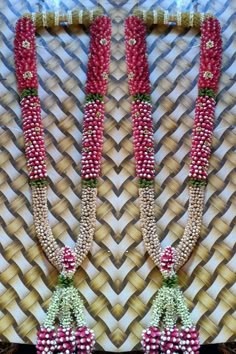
(64,330)
(169,308)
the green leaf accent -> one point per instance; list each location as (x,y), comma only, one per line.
(170,282)
(29,92)
(144,183)
(65,282)
(92,97)
(144,97)
(196,182)
(207,92)
(90,183)
(39,182)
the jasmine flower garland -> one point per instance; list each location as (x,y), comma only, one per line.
(171,329)
(64,329)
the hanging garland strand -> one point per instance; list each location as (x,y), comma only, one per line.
(64,328)
(169,308)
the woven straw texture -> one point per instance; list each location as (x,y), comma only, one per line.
(118,280)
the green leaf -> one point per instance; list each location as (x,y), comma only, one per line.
(207,92)
(39,182)
(90,183)
(144,183)
(170,282)
(196,182)
(64,282)
(144,97)
(29,92)
(92,97)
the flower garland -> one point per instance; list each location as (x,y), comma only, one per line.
(165,333)
(64,328)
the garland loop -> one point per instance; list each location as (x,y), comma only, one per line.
(171,328)
(64,328)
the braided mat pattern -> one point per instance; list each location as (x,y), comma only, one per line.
(118,280)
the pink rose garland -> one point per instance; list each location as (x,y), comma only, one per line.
(169,306)
(58,334)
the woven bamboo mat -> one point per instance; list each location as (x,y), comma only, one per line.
(118,280)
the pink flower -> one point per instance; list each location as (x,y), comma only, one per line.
(202,137)
(85,340)
(25,54)
(151,340)
(136,57)
(68,260)
(46,340)
(92,140)
(34,137)
(210,54)
(65,340)
(99,57)
(168,258)
(170,340)
(143,139)
(189,340)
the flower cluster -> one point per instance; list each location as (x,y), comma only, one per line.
(99,57)
(85,340)
(170,340)
(169,306)
(189,340)
(168,258)
(143,139)
(68,261)
(171,328)
(210,63)
(139,86)
(26,73)
(210,54)
(46,341)
(59,333)
(92,139)
(65,340)
(136,56)
(66,305)
(151,340)
(202,137)
(96,87)
(34,137)
(25,55)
